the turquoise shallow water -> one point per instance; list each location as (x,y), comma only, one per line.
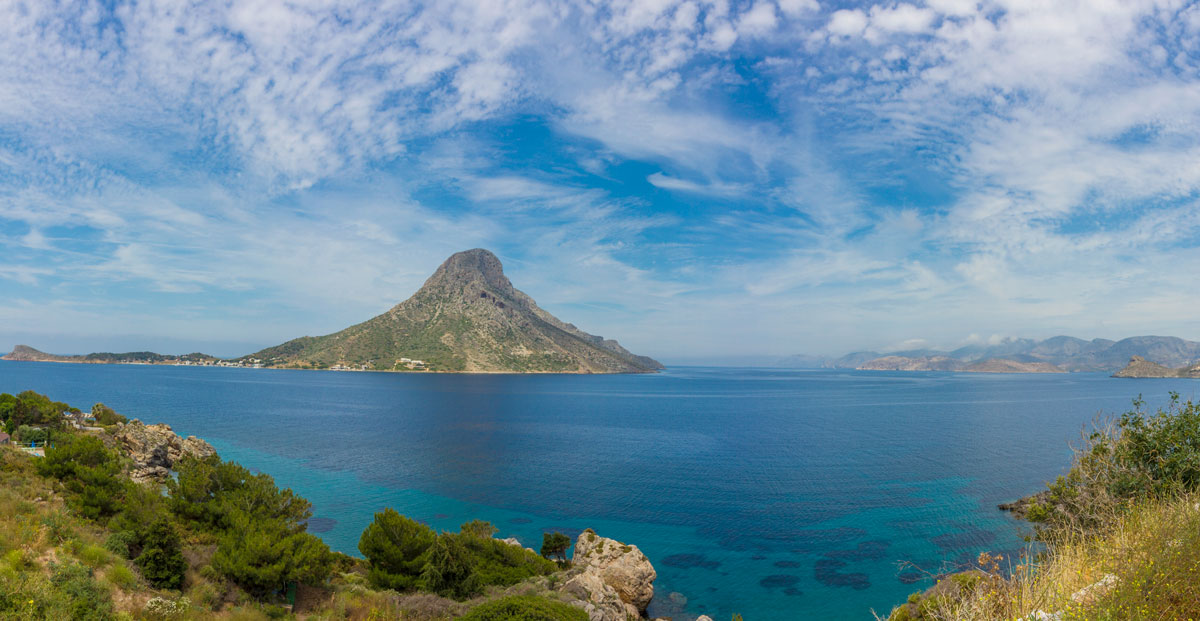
(779,494)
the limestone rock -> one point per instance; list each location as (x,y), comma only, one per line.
(1089,594)
(155,449)
(615,581)
(599,600)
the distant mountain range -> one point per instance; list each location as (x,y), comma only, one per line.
(1064,353)
(944,363)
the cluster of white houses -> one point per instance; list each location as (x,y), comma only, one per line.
(408,363)
(252,363)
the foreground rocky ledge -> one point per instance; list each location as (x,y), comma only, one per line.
(608,579)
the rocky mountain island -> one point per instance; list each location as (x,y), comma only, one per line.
(466,318)
(1140,367)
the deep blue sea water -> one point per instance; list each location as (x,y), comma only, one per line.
(779,494)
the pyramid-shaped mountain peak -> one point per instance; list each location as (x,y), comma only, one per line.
(466,318)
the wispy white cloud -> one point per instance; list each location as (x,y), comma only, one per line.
(859,174)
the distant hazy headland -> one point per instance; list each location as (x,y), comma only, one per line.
(1053,355)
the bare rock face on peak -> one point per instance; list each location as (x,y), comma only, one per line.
(467,317)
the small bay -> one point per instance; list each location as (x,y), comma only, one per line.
(779,494)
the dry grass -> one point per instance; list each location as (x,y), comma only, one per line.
(1153,552)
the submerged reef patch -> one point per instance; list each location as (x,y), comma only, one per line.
(688,561)
(321,524)
(776,581)
(827,572)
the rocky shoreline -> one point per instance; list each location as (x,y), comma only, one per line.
(1020,507)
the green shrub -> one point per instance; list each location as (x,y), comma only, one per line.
(555,545)
(86,600)
(122,543)
(397,549)
(161,560)
(525,608)
(501,564)
(59,527)
(89,471)
(1137,456)
(106,416)
(263,555)
(27,434)
(31,408)
(450,570)
(208,492)
(121,576)
(94,556)
(205,595)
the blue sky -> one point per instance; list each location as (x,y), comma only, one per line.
(696,179)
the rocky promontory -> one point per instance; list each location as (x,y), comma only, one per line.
(155,449)
(1139,367)
(612,581)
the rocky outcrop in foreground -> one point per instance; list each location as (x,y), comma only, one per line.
(155,449)
(612,581)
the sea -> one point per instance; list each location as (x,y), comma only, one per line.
(777,494)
